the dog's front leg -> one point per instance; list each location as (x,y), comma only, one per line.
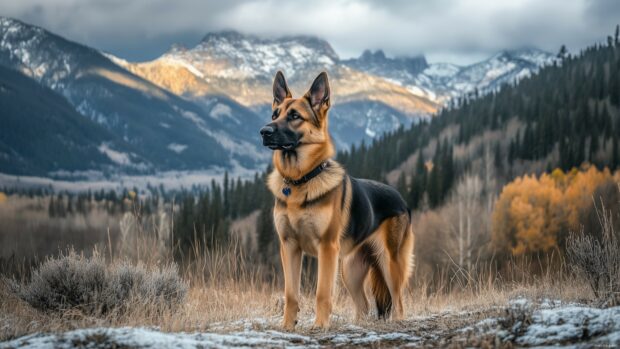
(290,252)
(328,265)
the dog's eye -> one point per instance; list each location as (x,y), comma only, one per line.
(274,116)
(295,116)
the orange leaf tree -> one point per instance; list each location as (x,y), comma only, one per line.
(533,214)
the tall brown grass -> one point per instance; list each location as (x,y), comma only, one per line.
(595,258)
(227,284)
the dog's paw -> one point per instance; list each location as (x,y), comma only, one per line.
(289,325)
(320,324)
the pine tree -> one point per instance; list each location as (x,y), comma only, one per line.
(51,208)
(615,157)
(434,187)
(401,185)
(226,194)
(447,170)
(420,167)
(265,231)
(594,143)
(562,53)
(498,156)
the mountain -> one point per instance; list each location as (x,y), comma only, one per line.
(199,108)
(442,82)
(165,131)
(242,68)
(397,69)
(38,124)
(372,94)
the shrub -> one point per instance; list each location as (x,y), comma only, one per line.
(87,283)
(532,213)
(596,258)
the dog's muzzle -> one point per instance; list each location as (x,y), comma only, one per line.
(267,131)
(275,140)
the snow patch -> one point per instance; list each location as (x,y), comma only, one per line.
(149,338)
(177,148)
(220,111)
(116,156)
(573,323)
(116,60)
(174,60)
(552,322)
(442,70)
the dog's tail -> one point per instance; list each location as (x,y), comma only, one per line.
(380,292)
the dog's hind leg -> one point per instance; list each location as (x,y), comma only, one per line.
(354,271)
(395,260)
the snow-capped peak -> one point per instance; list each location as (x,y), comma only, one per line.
(441,82)
(48,58)
(233,55)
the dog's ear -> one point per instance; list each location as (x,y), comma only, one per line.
(318,95)
(280,89)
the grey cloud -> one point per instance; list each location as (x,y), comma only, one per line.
(143,29)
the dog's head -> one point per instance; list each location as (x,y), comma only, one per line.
(298,124)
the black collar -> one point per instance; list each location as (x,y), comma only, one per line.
(315,172)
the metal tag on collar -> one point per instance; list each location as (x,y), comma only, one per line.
(286,191)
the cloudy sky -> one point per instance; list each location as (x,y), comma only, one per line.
(458,31)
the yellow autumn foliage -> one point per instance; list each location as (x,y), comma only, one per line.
(532,212)
(579,193)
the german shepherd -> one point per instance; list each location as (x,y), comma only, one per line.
(321,211)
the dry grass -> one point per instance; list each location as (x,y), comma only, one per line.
(227,285)
(597,261)
(225,288)
(28,234)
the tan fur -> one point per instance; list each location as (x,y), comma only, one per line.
(318,228)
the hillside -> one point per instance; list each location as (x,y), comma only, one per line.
(567,114)
(38,124)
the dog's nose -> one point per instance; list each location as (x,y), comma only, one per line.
(267,131)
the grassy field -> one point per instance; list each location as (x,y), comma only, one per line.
(227,295)
(224,297)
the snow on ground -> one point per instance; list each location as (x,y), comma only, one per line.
(551,323)
(94,180)
(128,337)
(521,323)
(572,323)
(148,338)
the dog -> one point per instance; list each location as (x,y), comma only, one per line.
(323,212)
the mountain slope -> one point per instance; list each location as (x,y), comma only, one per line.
(39,124)
(167,131)
(565,116)
(397,69)
(441,82)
